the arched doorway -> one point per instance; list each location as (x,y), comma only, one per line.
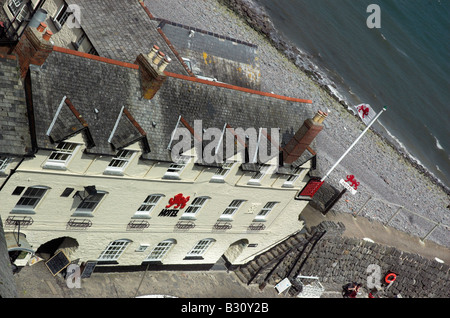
(235,250)
(65,243)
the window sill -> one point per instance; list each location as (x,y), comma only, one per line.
(188,218)
(193,258)
(105,262)
(82,214)
(225,219)
(259,220)
(217,180)
(55,166)
(171,176)
(113,172)
(146,217)
(22,211)
(56,24)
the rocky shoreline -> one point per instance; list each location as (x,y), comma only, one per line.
(259,20)
(386,173)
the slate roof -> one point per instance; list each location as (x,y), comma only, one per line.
(213,55)
(98,90)
(14,129)
(122,31)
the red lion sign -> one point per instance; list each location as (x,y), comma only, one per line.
(353,182)
(179,201)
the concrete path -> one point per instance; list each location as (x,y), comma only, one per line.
(361,227)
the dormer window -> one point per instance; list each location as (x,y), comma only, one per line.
(119,162)
(60,157)
(177,167)
(19,9)
(293,177)
(61,16)
(259,175)
(222,172)
(4,162)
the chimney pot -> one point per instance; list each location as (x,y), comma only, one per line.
(33,48)
(320,117)
(152,53)
(159,57)
(41,27)
(47,35)
(164,64)
(152,76)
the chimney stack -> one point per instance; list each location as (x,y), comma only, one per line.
(34,47)
(303,137)
(152,68)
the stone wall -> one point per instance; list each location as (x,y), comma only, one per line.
(8,287)
(339,260)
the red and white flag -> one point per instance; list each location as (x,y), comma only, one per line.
(365,112)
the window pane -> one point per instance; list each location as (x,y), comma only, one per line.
(114,250)
(91,202)
(31,197)
(201,247)
(160,250)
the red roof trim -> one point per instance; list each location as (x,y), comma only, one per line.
(95,57)
(237,88)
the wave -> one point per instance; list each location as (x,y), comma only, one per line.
(401,148)
(256,15)
(438,145)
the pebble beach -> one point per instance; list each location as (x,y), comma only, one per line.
(393,189)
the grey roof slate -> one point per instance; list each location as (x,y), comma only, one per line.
(122,30)
(228,60)
(97,90)
(91,84)
(14,129)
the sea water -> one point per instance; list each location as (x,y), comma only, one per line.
(404,64)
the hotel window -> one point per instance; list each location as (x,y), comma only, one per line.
(18,9)
(119,162)
(200,248)
(30,198)
(59,158)
(61,16)
(231,209)
(177,167)
(114,250)
(4,162)
(258,176)
(160,250)
(14,6)
(90,202)
(265,211)
(222,171)
(294,176)
(195,206)
(148,205)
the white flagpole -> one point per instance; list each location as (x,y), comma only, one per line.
(353,144)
